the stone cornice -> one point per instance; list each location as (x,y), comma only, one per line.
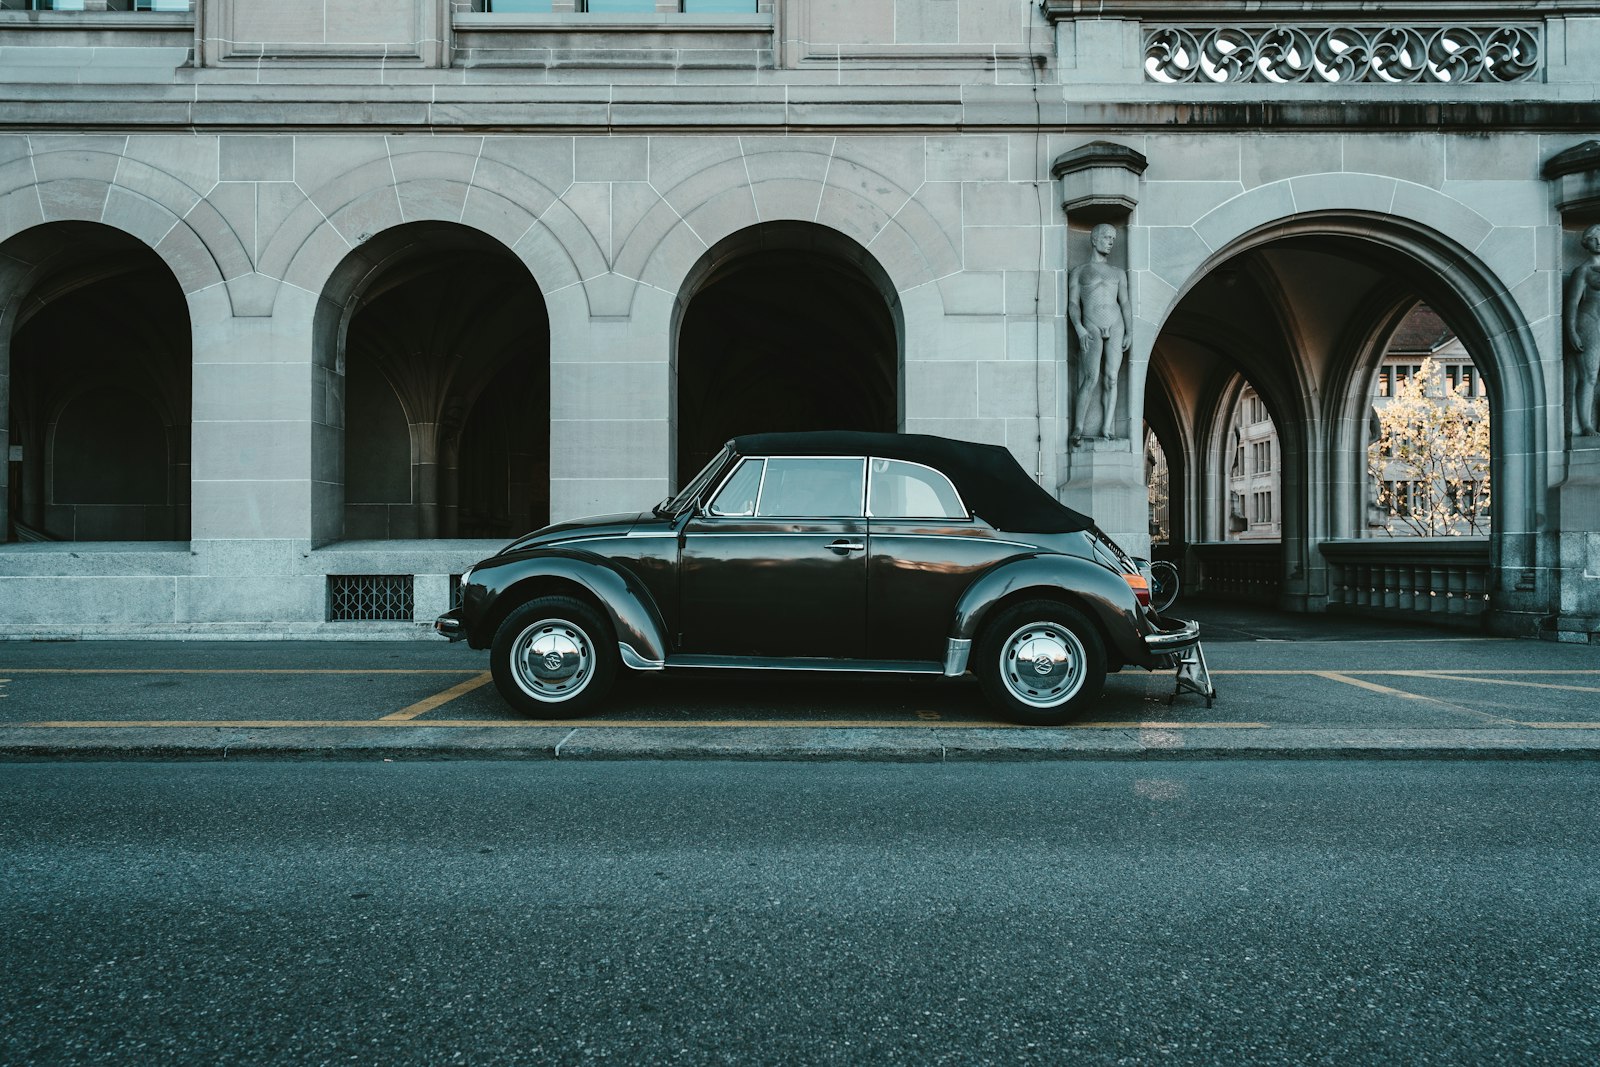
(1302,11)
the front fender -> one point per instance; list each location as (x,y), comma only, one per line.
(1107,598)
(499,585)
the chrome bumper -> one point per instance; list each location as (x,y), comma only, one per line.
(1175,638)
(449,625)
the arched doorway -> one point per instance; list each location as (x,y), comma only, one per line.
(97,345)
(784,326)
(1303,313)
(438,340)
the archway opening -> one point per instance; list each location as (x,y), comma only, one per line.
(1275,361)
(441,351)
(97,430)
(784,326)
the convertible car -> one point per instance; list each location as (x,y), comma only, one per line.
(838,551)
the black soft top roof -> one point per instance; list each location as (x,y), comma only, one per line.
(988,477)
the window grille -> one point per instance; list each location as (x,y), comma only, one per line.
(455,591)
(371,598)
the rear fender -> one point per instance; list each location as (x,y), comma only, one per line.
(513,580)
(1105,596)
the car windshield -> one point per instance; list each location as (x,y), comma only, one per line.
(697,485)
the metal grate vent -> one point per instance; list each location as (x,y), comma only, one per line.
(370,598)
(455,591)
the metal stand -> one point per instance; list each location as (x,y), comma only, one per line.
(1193,676)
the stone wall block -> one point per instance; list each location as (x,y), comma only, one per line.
(221,241)
(610,295)
(191,260)
(546,160)
(571,498)
(320,159)
(255,158)
(983,431)
(1450,217)
(304,230)
(418,158)
(251,392)
(611,159)
(1510,251)
(1016,389)
(236,203)
(17,174)
(608,448)
(81,199)
(1180,203)
(548,258)
(974,293)
(369,215)
(963,339)
(1185,157)
(719,180)
(944,390)
(639,239)
(1029,294)
(1032,339)
(899,254)
(635,391)
(1183,253)
(970,158)
(86,601)
(1504,203)
(631,204)
(1497,156)
(192,160)
(1238,215)
(243,450)
(933,242)
(1268,158)
(926,21)
(1008,248)
(788,158)
(433,199)
(590,203)
(15,148)
(491,213)
(722,215)
(155,183)
(19,210)
(138,215)
(95,158)
(1342,192)
(675,160)
(1007,203)
(527,191)
(793,199)
(252,509)
(674,254)
(901,162)
(352,187)
(1410,157)
(288,599)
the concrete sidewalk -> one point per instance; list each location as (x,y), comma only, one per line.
(1290,687)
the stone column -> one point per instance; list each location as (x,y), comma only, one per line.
(1575,516)
(1103,464)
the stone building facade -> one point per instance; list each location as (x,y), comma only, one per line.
(304,292)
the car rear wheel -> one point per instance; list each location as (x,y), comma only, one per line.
(1042,663)
(553,658)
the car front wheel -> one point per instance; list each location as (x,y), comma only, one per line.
(553,658)
(1042,663)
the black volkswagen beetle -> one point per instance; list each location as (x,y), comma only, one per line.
(839,551)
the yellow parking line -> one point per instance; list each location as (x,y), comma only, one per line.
(1562,725)
(422,707)
(1361,683)
(633,724)
(1478,680)
(238,670)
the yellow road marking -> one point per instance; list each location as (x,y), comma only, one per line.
(1562,725)
(1479,680)
(1360,683)
(422,707)
(238,670)
(633,724)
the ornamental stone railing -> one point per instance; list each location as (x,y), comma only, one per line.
(1343,54)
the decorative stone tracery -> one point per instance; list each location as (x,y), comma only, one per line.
(1342,54)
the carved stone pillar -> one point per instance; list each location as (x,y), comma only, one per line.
(1104,457)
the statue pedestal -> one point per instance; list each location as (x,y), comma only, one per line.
(1105,480)
(1578,519)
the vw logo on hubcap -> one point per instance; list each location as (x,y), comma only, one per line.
(552,660)
(1043,664)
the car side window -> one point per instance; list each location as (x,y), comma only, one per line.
(796,487)
(738,494)
(903,490)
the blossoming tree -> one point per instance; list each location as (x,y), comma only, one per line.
(1430,461)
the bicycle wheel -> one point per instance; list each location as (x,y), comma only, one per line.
(1163,584)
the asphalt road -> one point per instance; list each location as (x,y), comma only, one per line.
(436,913)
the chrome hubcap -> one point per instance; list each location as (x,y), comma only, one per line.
(552,660)
(1043,664)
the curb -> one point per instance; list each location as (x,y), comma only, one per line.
(857,744)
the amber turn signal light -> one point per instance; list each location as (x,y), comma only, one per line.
(1140,587)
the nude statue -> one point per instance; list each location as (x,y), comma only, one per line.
(1583,334)
(1102,317)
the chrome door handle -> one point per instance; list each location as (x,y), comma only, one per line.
(848,546)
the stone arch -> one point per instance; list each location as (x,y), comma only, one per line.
(488,314)
(1431,242)
(855,381)
(83,303)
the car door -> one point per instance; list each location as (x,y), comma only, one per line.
(924,550)
(775,564)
